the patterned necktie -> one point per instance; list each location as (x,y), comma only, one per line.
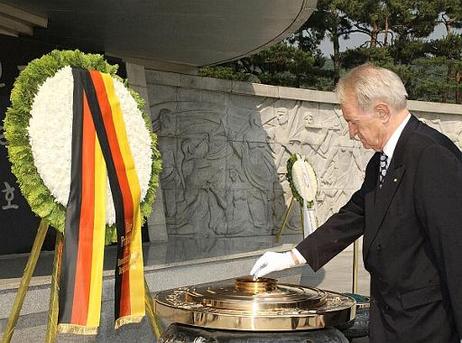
(383,168)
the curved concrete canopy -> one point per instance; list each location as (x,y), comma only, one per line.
(169,32)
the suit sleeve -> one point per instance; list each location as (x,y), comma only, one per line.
(338,232)
(438,192)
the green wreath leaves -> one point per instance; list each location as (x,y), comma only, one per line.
(16,124)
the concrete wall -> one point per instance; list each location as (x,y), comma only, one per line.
(225,145)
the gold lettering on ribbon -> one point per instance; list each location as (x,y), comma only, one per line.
(127,261)
(125,241)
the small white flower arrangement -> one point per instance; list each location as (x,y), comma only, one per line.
(302,179)
(304,185)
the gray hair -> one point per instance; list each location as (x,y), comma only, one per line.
(369,84)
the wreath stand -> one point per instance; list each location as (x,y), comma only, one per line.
(284,221)
(52,326)
(286,218)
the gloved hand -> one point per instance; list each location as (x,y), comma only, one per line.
(271,262)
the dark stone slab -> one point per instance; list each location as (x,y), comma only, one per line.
(360,327)
(177,333)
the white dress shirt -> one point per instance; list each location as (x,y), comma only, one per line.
(390,145)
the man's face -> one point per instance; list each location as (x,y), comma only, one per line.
(364,126)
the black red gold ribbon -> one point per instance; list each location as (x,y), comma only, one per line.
(100,149)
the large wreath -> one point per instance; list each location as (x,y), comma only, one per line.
(38,128)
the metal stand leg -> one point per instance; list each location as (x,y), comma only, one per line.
(153,320)
(52,327)
(303,220)
(355,266)
(284,222)
(28,271)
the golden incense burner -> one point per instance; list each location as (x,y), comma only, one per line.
(257,305)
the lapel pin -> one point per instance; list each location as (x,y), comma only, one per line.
(395,180)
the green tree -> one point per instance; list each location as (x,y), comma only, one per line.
(386,23)
(283,64)
(451,45)
(451,15)
(396,31)
(440,73)
(329,21)
(437,75)
(394,23)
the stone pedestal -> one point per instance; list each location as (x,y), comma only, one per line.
(187,334)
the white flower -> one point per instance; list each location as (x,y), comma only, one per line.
(50,134)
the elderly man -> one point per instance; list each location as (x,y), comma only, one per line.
(409,209)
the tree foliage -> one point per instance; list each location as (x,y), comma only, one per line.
(399,34)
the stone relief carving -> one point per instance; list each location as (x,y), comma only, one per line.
(224,159)
(450,125)
(217,173)
(324,139)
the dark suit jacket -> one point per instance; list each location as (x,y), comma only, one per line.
(412,243)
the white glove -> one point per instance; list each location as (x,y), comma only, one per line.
(271,262)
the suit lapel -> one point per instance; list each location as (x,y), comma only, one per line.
(378,202)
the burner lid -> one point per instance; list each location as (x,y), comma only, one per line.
(257,305)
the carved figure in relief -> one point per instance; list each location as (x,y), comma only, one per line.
(314,136)
(203,202)
(278,128)
(167,125)
(255,159)
(199,195)
(238,210)
(343,168)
